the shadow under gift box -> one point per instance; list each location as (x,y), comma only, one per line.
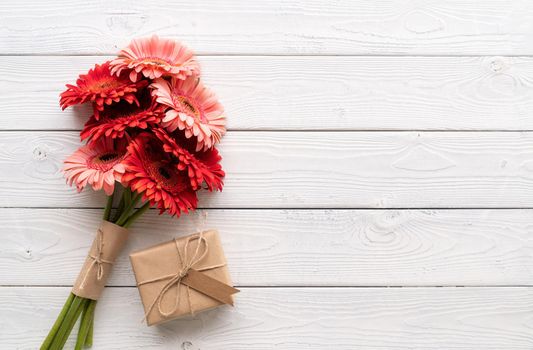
(162,271)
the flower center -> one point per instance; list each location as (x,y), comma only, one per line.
(108,156)
(164,172)
(155,61)
(167,177)
(188,106)
(126,110)
(105,161)
(104,84)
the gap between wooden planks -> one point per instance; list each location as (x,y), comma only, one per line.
(307,93)
(311,170)
(294,318)
(292,247)
(346,27)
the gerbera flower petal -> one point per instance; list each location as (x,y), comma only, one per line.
(117,119)
(100,87)
(202,167)
(156,57)
(192,108)
(154,174)
(96,165)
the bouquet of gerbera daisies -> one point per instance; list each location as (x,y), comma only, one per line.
(150,140)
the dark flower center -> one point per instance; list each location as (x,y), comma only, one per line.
(105,161)
(108,156)
(164,172)
(189,106)
(166,175)
(124,109)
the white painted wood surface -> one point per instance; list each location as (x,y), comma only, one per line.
(294,319)
(342,115)
(311,169)
(333,93)
(267,247)
(391,27)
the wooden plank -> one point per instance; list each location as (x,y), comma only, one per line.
(311,169)
(303,93)
(272,27)
(292,248)
(294,318)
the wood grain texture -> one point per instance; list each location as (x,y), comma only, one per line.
(297,80)
(294,319)
(311,169)
(303,93)
(292,248)
(272,27)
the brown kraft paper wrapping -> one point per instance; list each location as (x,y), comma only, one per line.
(169,281)
(107,244)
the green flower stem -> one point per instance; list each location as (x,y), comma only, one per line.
(136,215)
(136,197)
(68,323)
(59,321)
(107,211)
(80,338)
(85,323)
(124,217)
(76,306)
(89,338)
(127,195)
(121,205)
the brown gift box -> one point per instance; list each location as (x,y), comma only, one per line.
(169,275)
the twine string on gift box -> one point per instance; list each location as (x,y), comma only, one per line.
(176,279)
(97,259)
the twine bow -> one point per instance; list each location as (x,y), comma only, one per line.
(176,279)
(97,260)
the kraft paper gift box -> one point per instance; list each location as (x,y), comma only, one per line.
(182,277)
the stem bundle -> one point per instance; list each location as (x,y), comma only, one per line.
(77,307)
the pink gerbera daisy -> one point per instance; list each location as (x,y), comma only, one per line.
(154,58)
(193,108)
(98,165)
(101,88)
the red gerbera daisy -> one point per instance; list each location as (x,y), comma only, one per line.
(156,176)
(120,117)
(102,88)
(202,167)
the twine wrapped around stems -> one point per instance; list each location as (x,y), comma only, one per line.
(109,240)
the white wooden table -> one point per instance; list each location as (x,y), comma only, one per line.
(379,190)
